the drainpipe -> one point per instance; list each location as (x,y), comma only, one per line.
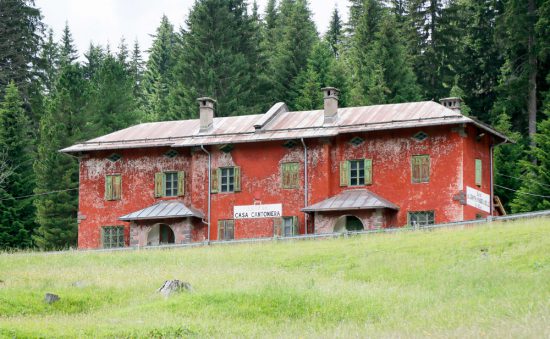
(209,187)
(305,184)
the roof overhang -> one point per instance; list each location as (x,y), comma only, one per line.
(356,199)
(168,209)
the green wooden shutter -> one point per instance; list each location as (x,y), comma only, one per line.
(344,173)
(368,171)
(214,180)
(221,230)
(117,187)
(425,168)
(415,169)
(237,179)
(108,187)
(285,174)
(159,184)
(277,226)
(295,228)
(181,183)
(295,182)
(478,172)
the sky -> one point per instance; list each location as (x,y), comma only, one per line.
(107,21)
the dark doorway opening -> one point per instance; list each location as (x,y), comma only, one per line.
(166,235)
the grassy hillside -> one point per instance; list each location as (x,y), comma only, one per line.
(411,284)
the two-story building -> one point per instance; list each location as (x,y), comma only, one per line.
(284,173)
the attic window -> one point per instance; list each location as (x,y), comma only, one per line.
(171,153)
(420,136)
(290,144)
(226,148)
(114,157)
(357,141)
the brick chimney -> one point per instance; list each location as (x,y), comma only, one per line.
(206,113)
(331,104)
(452,103)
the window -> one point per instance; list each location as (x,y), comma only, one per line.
(169,184)
(171,153)
(478,172)
(226,180)
(285,226)
(290,175)
(113,236)
(356,172)
(422,218)
(114,157)
(226,229)
(420,167)
(113,187)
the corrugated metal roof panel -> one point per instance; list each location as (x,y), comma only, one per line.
(164,210)
(280,126)
(358,199)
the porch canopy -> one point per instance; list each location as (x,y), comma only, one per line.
(359,199)
(169,209)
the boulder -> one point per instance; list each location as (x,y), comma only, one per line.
(174,286)
(50,298)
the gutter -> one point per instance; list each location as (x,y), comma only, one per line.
(305,184)
(209,188)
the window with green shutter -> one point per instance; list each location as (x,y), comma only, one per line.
(226,229)
(478,172)
(420,168)
(113,236)
(113,187)
(285,226)
(226,180)
(356,172)
(169,184)
(290,175)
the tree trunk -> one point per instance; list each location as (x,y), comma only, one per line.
(532,99)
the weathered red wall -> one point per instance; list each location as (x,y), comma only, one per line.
(452,168)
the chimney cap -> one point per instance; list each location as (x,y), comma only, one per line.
(451,102)
(330,91)
(206,99)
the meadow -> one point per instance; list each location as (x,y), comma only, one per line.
(485,281)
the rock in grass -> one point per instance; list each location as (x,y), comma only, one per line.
(50,298)
(174,286)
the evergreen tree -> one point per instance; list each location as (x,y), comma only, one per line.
(68,52)
(310,81)
(136,71)
(297,35)
(110,100)
(49,62)
(158,76)
(382,70)
(458,92)
(534,193)
(94,58)
(20,38)
(61,126)
(335,32)
(16,214)
(217,58)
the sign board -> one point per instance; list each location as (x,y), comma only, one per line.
(478,199)
(258,211)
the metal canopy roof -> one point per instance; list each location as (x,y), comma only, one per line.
(279,124)
(359,199)
(163,210)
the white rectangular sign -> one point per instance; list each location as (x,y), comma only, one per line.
(478,199)
(258,211)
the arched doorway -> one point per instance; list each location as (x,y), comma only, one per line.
(160,234)
(348,223)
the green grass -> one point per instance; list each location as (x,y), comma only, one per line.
(409,284)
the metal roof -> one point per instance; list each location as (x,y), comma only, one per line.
(279,124)
(163,210)
(358,199)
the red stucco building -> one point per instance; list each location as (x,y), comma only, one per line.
(283,173)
